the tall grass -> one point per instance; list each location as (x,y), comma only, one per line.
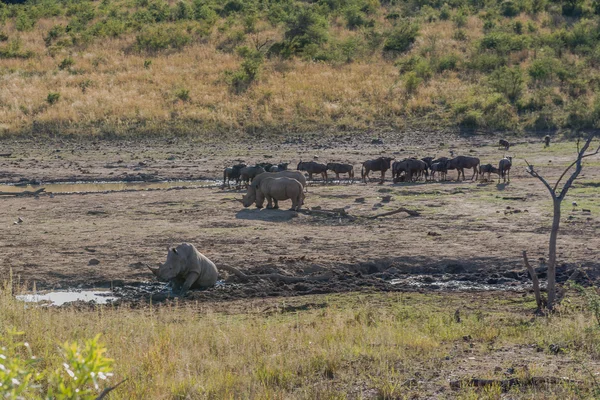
(349,346)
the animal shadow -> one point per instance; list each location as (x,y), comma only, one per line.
(266,215)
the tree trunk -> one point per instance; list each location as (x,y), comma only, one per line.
(552,254)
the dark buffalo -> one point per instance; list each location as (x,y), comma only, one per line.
(265,165)
(380,164)
(232,173)
(440,167)
(487,169)
(547,140)
(504,143)
(341,169)
(504,169)
(279,167)
(313,167)
(249,173)
(461,162)
(412,168)
(428,161)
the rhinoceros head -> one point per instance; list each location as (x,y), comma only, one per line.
(173,267)
(250,196)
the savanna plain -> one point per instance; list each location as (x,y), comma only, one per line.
(459,308)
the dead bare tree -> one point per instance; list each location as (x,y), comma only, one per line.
(557,198)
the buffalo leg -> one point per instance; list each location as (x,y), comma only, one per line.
(382,177)
(189,281)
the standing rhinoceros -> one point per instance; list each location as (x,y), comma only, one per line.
(283,188)
(251,194)
(187,268)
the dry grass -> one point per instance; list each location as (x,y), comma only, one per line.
(351,346)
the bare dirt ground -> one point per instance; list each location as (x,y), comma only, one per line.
(469,232)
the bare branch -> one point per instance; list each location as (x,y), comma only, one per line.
(533,173)
(580,155)
(577,171)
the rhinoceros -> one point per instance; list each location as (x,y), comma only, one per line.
(283,188)
(251,194)
(187,268)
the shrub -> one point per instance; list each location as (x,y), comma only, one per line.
(53,98)
(66,63)
(445,12)
(508,81)
(249,71)
(411,83)
(460,35)
(147,64)
(182,94)
(460,19)
(84,367)
(472,119)
(542,69)
(448,62)
(24,22)
(518,27)
(486,62)
(307,28)
(357,18)
(157,38)
(509,8)
(3,37)
(502,42)
(13,50)
(401,38)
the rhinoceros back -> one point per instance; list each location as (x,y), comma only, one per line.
(199,263)
(299,176)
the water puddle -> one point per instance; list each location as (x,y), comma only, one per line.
(99,187)
(454,285)
(60,298)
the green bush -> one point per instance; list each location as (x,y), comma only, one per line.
(182,94)
(508,81)
(53,98)
(401,38)
(248,72)
(157,38)
(3,37)
(66,63)
(14,50)
(448,62)
(471,120)
(307,28)
(486,62)
(411,83)
(509,8)
(24,22)
(445,12)
(542,69)
(503,43)
(460,19)
(22,375)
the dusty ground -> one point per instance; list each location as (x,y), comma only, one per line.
(467,231)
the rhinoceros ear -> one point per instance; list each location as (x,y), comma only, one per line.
(175,251)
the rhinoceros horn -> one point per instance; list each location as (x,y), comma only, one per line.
(154,270)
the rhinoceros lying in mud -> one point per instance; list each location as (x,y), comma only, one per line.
(283,188)
(187,268)
(251,194)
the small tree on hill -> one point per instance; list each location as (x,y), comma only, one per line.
(557,198)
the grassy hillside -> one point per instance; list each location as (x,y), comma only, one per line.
(117,67)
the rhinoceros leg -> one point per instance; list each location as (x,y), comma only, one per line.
(189,281)
(275,204)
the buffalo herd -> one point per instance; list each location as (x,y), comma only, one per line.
(406,170)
